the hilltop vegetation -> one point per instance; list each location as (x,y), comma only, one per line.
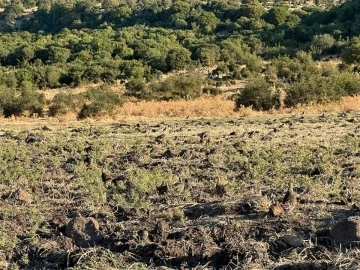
(133,44)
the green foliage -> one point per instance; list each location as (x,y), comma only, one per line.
(314,89)
(321,43)
(101,100)
(256,94)
(178,59)
(214,91)
(63,103)
(12,11)
(69,43)
(14,102)
(175,87)
(349,82)
(277,15)
(352,53)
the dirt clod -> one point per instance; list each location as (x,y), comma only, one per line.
(31,138)
(84,231)
(23,196)
(347,231)
(292,240)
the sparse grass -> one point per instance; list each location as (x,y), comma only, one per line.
(248,157)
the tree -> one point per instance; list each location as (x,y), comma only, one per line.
(256,94)
(277,15)
(351,55)
(208,54)
(58,54)
(178,58)
(321,43)
(207,22)
(12,11)
(252,10)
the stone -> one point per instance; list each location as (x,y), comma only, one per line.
(84,231)
(346,231)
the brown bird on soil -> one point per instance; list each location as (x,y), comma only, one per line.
(289,202)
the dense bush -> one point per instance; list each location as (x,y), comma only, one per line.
(175,87)
(64,103)
(256,94)
(314,90)
(214,91)
(76,42)
(100,100)
(16,103)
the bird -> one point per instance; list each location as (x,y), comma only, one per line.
(205,138)
(289,201)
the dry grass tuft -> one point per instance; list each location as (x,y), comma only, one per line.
(202,107)
(205,106)
(220,106)
(347,104)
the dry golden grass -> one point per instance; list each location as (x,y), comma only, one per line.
(206,106)
(219,106)
(345,105)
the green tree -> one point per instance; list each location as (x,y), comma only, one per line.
(256,94)
(178,58)
(12,11)
(277,15)
(207,22)
(351,54)
(58,54)
(208,54)
(321,43)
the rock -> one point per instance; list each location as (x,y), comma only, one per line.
(346,231)
(84,231)
(23,196)
(292,240)
(276,210)
(66,243)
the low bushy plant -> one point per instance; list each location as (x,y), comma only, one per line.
(101,100)
(256,94)
(175,87)
(63,103)
(13,102)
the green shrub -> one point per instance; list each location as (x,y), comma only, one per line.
(13,102)
(349,82)
(63,103)
(256,94)
(175,87)
(214,91)
(101,100)
(314,89)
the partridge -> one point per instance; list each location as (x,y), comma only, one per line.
(289,202)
